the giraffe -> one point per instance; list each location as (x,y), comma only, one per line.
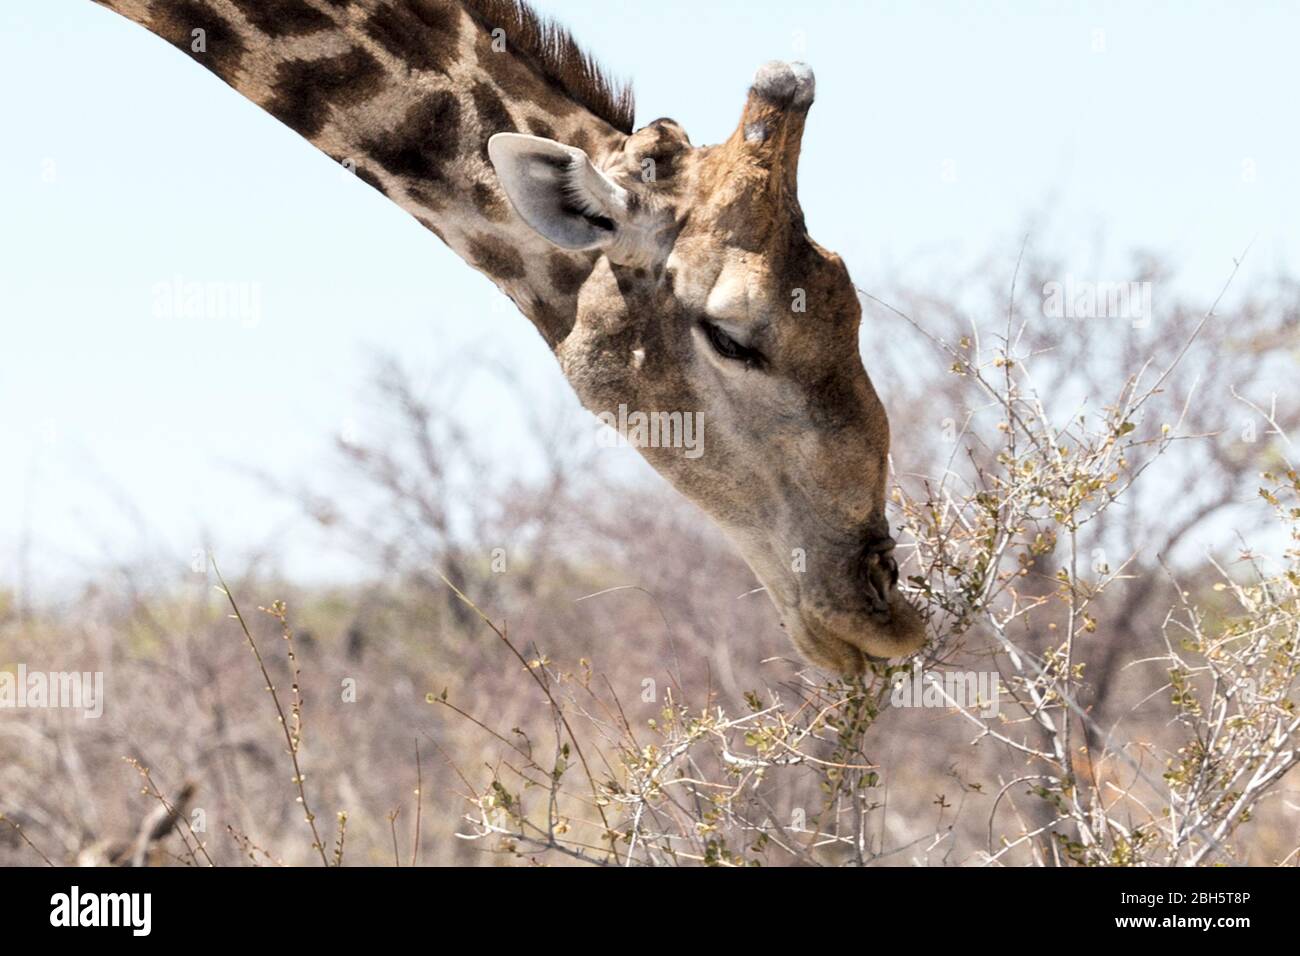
(664,276)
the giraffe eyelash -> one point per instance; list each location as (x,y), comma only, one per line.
(729,348)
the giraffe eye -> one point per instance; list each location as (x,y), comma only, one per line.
(729,348)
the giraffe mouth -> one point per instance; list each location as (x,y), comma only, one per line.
(877,625)
(847,644)
(822,648)
(854,618)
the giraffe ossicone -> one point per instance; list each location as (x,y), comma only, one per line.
(665,277)
(783,82)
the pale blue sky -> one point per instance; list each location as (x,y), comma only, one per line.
(938,127)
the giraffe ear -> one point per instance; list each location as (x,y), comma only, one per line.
(558,192)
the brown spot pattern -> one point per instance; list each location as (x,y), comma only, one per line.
(580,139)
(566,275)
(488,202)
(175,23)
(425,198)
(493,117)
(370,179)
(541,128)
(284,18)
(421,33)
(496,258)
(425,139)
(304,90)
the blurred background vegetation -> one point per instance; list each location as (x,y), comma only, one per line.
(612,587)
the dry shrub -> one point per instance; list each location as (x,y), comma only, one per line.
(624,698)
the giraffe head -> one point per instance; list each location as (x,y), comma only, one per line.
(707,297)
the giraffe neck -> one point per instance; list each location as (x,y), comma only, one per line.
(406,93)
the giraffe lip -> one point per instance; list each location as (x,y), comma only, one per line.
(872,636)
(823,647)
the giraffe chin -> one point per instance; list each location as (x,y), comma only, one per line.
(846,645)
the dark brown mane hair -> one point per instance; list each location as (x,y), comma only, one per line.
(553,52)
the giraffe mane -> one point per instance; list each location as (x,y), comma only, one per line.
(553,52)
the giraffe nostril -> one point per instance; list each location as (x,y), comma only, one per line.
(879,571)
(882,544)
